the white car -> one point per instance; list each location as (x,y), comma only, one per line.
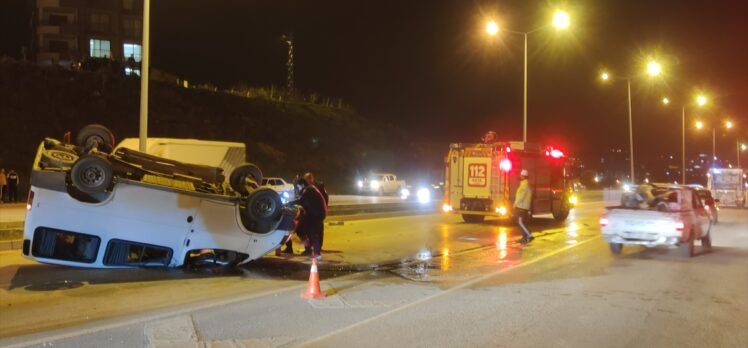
(284,189)
(101,209)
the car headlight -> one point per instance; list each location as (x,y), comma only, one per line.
(286,195)
(360,184)
(404,193)
(374,184)
(424,195)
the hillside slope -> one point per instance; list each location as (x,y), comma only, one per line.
(282,138)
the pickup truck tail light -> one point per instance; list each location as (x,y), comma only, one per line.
(680,226)
(603,221)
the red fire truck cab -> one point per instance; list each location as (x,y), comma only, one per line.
(481,180)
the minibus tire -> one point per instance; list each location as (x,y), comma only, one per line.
(95,135)
(263,205)
(91,174)
(241,173)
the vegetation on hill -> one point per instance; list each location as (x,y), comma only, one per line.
(283,138)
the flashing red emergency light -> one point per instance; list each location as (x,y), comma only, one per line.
(505,165)
(553,152)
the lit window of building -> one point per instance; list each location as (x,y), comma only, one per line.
(100,48)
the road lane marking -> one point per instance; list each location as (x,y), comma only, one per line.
(172,332)
(117,322)
(445,292)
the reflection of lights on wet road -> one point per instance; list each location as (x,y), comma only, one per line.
(424,255)
(501,242)
(445,259)
(572,229)
(444,229)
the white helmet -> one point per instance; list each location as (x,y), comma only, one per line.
(524,173)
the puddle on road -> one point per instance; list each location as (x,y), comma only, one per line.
(418,271)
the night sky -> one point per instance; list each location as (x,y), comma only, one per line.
(428,67)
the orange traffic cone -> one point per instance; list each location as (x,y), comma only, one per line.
(313,291)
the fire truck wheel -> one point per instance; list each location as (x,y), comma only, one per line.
(561,213)
(469,218)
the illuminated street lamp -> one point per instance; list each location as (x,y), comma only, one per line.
(653,69)
(740,147)
(699,125)
(701,100)
(560,21)
(492,28)
(727,124)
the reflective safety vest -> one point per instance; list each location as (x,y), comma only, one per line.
(524,195)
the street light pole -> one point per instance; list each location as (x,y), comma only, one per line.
(683,144)
(524,127)
(631,132)
(714,145)
(737,149)
(144,67)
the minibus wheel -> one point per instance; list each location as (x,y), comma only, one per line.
(238,177)
(95,135)
(91,174)
(263,205)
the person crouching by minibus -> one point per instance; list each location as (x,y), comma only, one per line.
(315,211)
(522,201)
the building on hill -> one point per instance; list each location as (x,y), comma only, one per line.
(70,31)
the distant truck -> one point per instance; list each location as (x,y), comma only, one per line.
(481,179)
(381,184)
(727,186)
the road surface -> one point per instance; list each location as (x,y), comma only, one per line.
(480,288)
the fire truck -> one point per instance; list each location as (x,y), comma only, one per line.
(481,179)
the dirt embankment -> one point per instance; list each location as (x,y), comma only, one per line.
(283,138)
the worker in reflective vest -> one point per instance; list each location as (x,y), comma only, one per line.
(522,201)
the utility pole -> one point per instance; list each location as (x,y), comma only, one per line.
(144,66)
(288,39)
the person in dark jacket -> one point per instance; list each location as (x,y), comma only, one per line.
(12,186)
(315,212)
(3,182)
